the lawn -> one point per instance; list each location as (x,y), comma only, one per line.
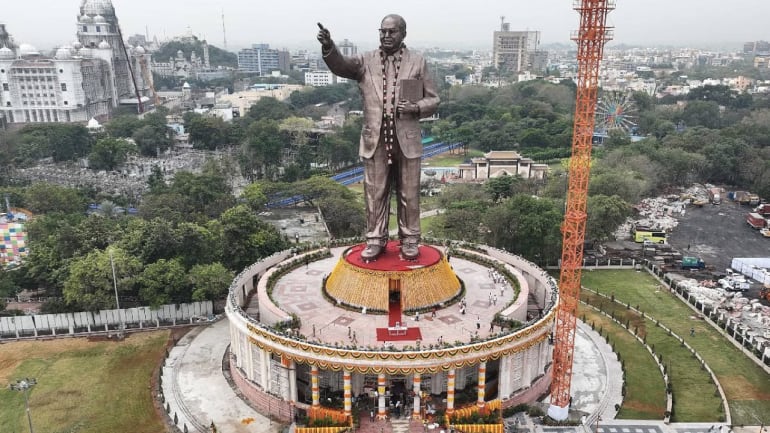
(451,159)
(746,385)
(645,396)
(84,386)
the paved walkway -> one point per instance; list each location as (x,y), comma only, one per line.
(197,391)
(298,292)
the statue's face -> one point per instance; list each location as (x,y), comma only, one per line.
(391,35)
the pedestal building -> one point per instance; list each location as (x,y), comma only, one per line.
(307,334)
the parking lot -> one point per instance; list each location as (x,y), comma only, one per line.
(717,234)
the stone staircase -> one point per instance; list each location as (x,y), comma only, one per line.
(398,425)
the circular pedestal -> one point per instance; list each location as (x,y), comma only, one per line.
(421,283)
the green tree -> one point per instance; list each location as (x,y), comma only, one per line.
(260,154)
(605,214)
(246,239)
(123,126)
(110,153)
(210,281)
(207,132)
(254,196)
(195,244)
(44,197)
(525,225)
(208,193)
(151,141)
(269,108)
(501,187)
(90,281)
(164,282)
(59,141)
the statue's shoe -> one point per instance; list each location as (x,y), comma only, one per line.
(371,252)
(410,250)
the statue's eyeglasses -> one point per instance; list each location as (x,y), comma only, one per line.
(388,32)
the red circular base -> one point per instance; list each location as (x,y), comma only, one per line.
(391,260)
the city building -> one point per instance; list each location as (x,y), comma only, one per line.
(347,48)
(181,67)
(85,80)
(262,59)
(516,51)
(97,28)
(756,47)
(319,78)
(502,163)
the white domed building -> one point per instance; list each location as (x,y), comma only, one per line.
(84,80)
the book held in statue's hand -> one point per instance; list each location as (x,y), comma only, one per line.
(412,90)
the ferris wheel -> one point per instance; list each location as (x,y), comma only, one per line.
(615,110)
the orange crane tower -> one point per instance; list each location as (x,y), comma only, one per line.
(591,37)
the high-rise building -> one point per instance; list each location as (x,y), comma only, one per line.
(514,51)
(347,48)
(756,47)
(260,58)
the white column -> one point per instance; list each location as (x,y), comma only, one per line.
(314,385)
(416,391)
(265,366)
(346,392)
(292,381)
(450,391)
(482,383)
(381,414)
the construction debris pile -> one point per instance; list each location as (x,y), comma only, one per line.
(744,317)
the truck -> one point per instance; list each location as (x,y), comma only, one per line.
(755,220)
(763,209)
(715,195)
(689,262)
(753,199)
(742,197)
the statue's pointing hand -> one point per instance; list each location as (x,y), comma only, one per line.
(324,37)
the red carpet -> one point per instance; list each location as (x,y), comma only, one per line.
(412,334)
(390,259)
(394,313)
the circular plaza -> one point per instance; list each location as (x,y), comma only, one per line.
(322,329)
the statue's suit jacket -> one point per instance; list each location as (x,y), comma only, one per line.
(366,69)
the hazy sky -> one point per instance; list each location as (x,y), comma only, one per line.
(444,23)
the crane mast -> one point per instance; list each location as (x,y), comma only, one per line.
(590,38)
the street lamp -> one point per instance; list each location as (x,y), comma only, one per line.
(24,385)
(117,300)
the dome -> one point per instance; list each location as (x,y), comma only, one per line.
(103,45)
(139,50)
(99,19)
(93,124)
(77,45)
(85,52)
(97,7)
(186,85)
(6,53)
(63,53)
(28,50)
(85,19)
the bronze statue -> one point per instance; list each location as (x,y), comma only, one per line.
(397,90)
